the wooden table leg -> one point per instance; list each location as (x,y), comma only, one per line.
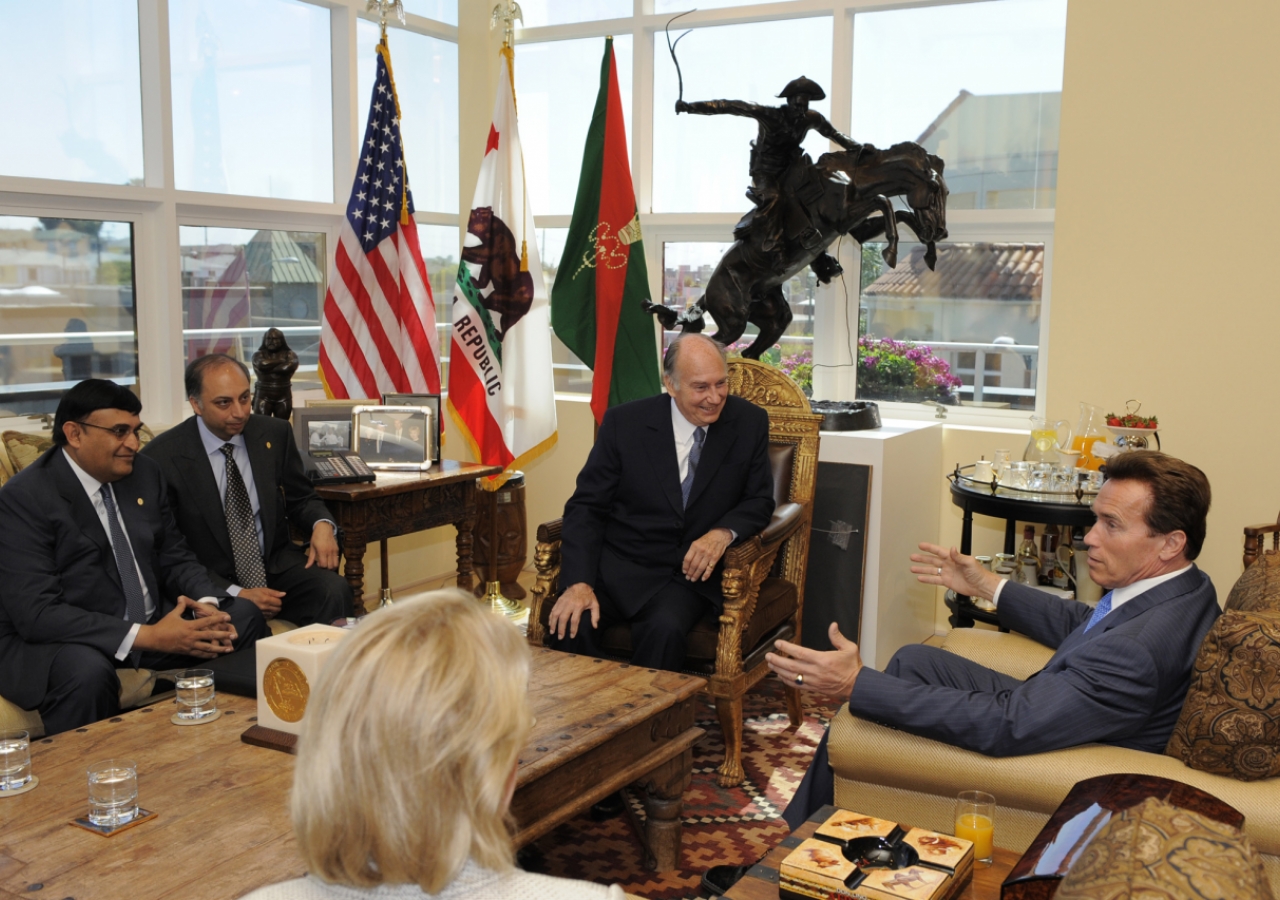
(465,542)
(354,550)
(663,805)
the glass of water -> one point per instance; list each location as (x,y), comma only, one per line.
(15,760)
(196,697)
(113,792)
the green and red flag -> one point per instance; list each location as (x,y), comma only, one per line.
(597,301)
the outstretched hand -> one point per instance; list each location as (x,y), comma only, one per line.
(952,569)
(830,672)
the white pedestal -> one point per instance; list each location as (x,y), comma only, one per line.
(906,495)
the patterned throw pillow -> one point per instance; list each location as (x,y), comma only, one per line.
(25,448)
(1158,850)
(1230,722)
(1259,587)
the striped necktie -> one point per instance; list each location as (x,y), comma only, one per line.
(134,605)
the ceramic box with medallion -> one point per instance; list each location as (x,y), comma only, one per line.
(288,666)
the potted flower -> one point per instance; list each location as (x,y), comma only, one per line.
(903,370)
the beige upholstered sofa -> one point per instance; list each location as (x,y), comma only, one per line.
(884,772)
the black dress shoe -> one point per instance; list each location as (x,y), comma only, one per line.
(718,879)
(609,807)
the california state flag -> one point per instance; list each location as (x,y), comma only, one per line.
(501,385)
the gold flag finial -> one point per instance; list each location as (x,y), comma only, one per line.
(507,12)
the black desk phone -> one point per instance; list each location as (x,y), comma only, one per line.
(336,467)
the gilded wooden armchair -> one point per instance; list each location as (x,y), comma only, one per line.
(763,581)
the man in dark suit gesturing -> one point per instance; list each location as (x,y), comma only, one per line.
(236,482)
(1120,672)
(670,483)
(94,574)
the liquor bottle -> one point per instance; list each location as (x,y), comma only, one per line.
(1028,557)
(1048,554)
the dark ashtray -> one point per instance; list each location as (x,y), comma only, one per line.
(876,851)
(847,415)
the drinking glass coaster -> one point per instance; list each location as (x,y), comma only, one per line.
(29,786)
(217,714)
(144,815)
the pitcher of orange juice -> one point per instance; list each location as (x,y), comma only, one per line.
(1046,437)
(1089,430)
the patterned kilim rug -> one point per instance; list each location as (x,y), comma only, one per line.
(721,825)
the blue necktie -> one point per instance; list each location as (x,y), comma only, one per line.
(1100,611)
(135,607)
(699,435)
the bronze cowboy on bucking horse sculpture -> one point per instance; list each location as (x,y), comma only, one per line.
(802,207)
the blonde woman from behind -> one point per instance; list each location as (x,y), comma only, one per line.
(407,762)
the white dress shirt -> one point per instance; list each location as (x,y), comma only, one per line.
(1120,595)
(92,486)
(684,430)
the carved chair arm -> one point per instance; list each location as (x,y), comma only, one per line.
(745,568)
(1253,542)
(546,561)
(786,519)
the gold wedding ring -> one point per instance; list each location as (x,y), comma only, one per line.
(799,679)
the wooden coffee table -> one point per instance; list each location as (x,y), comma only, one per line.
(223,827)
(761,883)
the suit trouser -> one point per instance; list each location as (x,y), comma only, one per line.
(311,594)
(915,663)
(659,631)
(83,687)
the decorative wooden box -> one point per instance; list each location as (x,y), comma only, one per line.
(288,665)
(860,857)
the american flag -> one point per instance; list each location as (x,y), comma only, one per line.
(378,334)
(222,305)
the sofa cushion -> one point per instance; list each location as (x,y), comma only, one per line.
(1259,587)
(1155,849)
(1230,722)
(24,448)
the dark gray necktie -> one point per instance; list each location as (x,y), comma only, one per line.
(134,605)
(241,528)
(699,435)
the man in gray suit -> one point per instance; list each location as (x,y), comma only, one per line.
(1120,672)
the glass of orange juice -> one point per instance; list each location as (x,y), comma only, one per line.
(975,821)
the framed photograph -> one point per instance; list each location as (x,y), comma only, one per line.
(336,404)
(323,428)
(393,438)
(428,401)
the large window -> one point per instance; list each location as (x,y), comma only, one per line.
(182,168)
(252,98)
(71,102)
(66,308)
(985,96)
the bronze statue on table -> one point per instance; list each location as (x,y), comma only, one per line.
(274,363)
(802,207)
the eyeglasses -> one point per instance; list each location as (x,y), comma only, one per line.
(120,432)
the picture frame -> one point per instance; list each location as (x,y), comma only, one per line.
(336,404)
(392,438)
(324,428)
(431,402)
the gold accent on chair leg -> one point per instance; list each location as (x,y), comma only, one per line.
(546,560)
(729,710)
